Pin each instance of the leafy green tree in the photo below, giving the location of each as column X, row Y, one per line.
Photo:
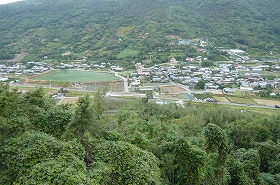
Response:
column 82, row 120
column 269, row 179
column 240, row 135
column 237, row 173
column 274, row 165
column 101, row 173
column 250, row 160
column 213, row 171
column 149, row 95
column 63, row 169
column 268, row 152
column 19, row 155
column 44, row 114
column 38, row 98
column 200, row 84
column 125, row 164
column 182, row 163
column 13, row 118
column 216, row 142
column 100, row 105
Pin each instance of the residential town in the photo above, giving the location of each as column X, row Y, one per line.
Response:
column 227, row 76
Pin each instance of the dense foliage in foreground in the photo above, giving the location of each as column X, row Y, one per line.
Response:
column 140, row 143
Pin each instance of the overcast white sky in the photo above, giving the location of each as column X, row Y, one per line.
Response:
column 8, row 1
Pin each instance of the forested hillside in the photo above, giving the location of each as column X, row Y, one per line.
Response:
column 134, row 143
column 125, row 30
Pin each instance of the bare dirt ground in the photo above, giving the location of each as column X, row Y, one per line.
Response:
column 267, row 102
column 215, row 91
column 172, row 89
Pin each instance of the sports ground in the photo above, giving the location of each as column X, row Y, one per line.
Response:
column 77, row 76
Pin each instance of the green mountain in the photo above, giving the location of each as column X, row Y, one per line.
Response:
column 125, row 30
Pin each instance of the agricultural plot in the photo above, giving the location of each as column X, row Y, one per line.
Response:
column 238, row 94
column 77, row 76
column 241, row 100
column 277, row 74
column 221, row 99
column 172, row 89
column 202, row 96
column 267, row 102
column 185, row 96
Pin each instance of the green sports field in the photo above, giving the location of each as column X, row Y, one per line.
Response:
column 77, row 76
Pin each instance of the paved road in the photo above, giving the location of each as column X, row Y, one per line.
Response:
column 124, row 81
column 126, row 94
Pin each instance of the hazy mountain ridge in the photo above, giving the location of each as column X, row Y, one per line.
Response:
column 42, row 27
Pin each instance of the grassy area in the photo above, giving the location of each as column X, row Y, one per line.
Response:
column 127, row 52
column 202, row 96
column 218, row 58
column 78, row 93
column 277, row 73
column 221, row 99
column 255, row 109
column 22, row 88
column 123, row 31
column 76, row 76
column 241, row 100
column 268, row 111
column 238, row 94
column 185, row 97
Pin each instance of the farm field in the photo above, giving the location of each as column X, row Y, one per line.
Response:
column 241, row 100
column 267, row 102
column 77, row 76
column 221, row 99
column 238, row 94
column 254, row 109
column 185, row 97
column 270, row 111
column 171, row 89
column 202, row 96
column 277, row 73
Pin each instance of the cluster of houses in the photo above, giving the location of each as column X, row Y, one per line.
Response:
column 223, row 75
column 195, row 42
column 79, row 65
column 20, row 68
column 40, row 67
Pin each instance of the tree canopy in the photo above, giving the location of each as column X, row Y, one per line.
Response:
column 137, row 143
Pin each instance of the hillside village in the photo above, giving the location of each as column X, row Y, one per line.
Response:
column 236, row 73
column 227, row 76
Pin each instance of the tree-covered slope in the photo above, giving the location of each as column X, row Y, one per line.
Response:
column 137, row 143
column 131, row 29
